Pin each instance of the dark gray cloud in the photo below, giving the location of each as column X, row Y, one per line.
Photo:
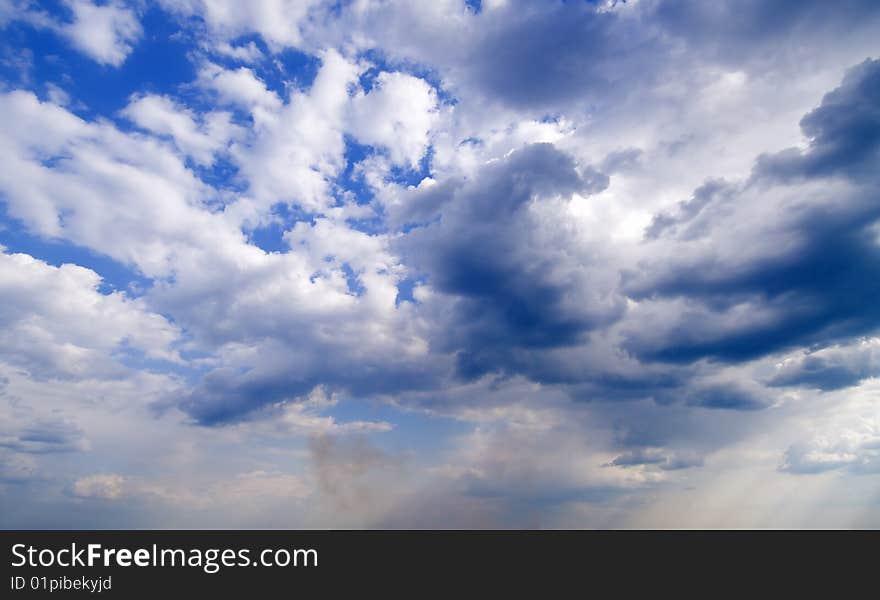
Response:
column 547, row 57
column 43, row 436
column 844, row 133
column 731, row 396
column 830, row 368
column 228, row 395
column 514, row 280
column 683, row 222
column 735, row 31
column 788, row 257
column 537, row 56
column 660, row 458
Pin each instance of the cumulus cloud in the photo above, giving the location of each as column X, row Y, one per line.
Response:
column 105, row 31
column 296, row 146
column 65, row 175
column 396, row 114
column 830, row 368
column 239, row 87
column 853, row 446
column 48, row 322
column 200, row 140
column 279, row 22
column 786, row 257
column 517, row 273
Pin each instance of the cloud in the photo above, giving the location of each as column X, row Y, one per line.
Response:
column 656, row 457
column 48, row 319
column 786, row 257
column 843, row 132
column 16, row 468
column 532, row 57
column 856, row 450
column 268, row 486
column 246, row 53
column 239, row 87
column 743, row 31
column 103, row 486
column 296, row 146
column 201, row 138
column 831, row 368
column 65, row 174
column 729, row 395
column 43, row 436
column 575, row 262
column 306, row 416
column 534, row 471
column 509, row 265
column 106, row 32
column 396, row 114
column 279, row 22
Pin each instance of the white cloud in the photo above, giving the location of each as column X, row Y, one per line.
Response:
column 48, row 319
column 298, row 147
column 843, row 435
column 398, row 114
column 105, row 32
column 65, row 176
column 246, row 53
column 239, row 87
column 102, row 486
column 199, row 137
column 303, row 416
column 278, row 21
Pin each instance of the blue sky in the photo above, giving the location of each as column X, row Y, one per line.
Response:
column 377, row 263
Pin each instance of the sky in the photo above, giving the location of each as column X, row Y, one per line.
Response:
column 446, row 264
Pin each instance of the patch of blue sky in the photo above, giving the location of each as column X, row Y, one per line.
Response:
column 429, row 433
column 476, row 6
column 350, row 183
column 367, row 79
column 281, row 70
column 159, row 63
column 222, row 174
column 290, row 69
column 270, row 237
column 355, row 287
column 406, row 287
column 138, row 361
column 373, row 225
column 406, row 175
column 350, row 186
